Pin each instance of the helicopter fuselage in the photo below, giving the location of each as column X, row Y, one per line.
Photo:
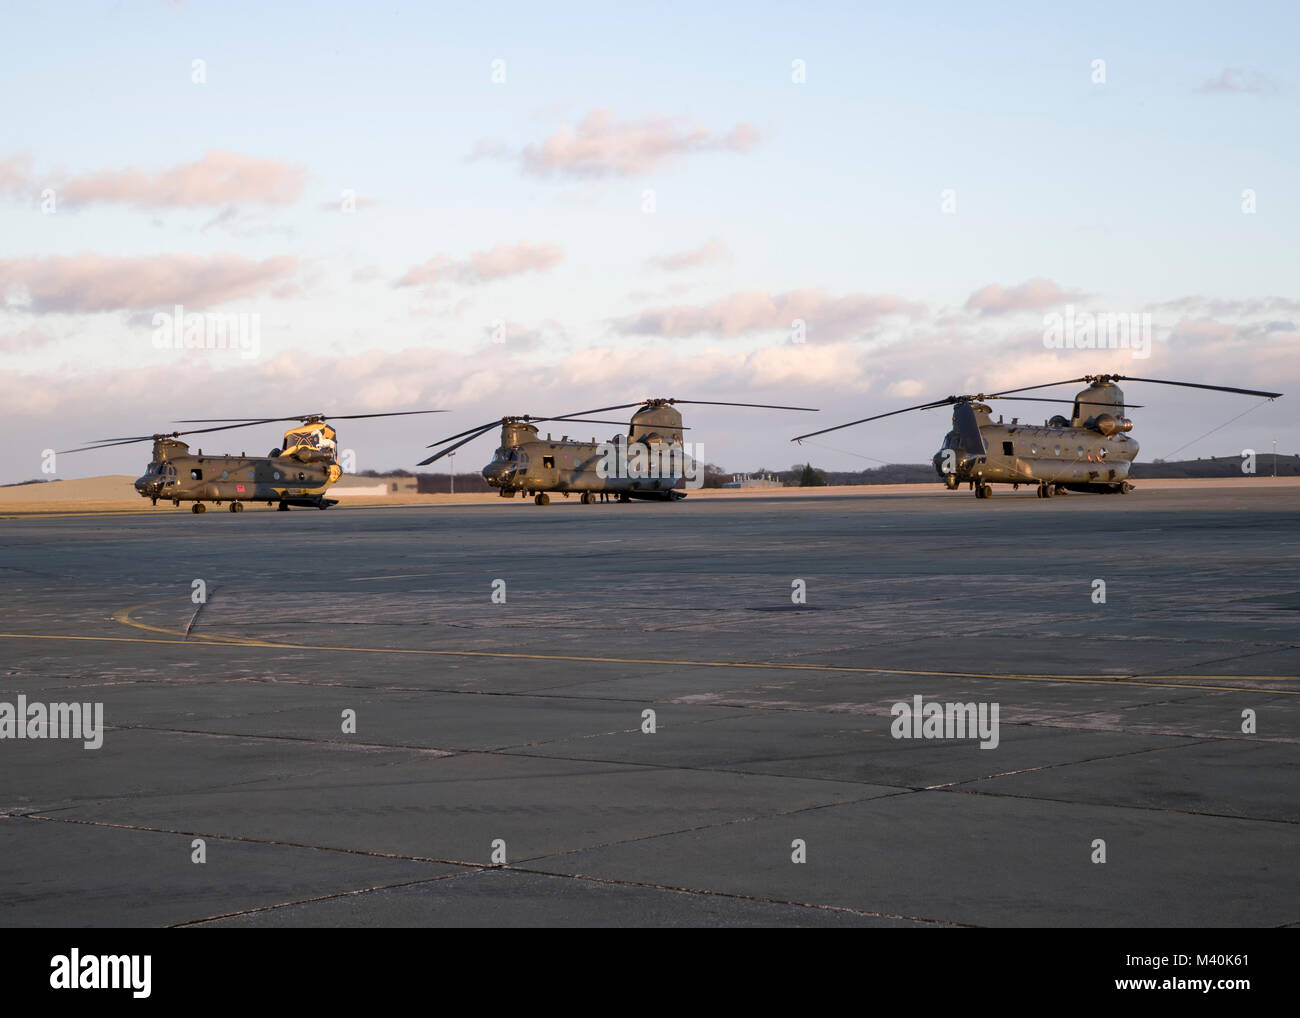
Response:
column 177, row 475
column 1074, row 458
column 1092, row 451
column 649, row 463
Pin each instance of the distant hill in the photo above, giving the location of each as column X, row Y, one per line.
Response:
column 1218, row 466
column 1214, row 466
column 902, row 473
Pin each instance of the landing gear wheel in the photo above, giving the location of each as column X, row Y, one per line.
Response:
column 1045, row 491
column 236, row 507
column 984, row 491
column 586, row 498
column 541, row 498
column 283, row 507
column 198, row 507
column 1125, row 488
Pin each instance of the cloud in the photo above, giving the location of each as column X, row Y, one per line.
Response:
column 511, row 337
column 500, row 262
column 825, row 317
column 1240, row 79
column 488, row 148
column 93, row 282
column 15, row 175
column 1220, row 308
column 348, row 203
column 711, row 251
column 27, row 339
column 602, row 146
column 216, row 179
column 479, row 380
column 1030, row 295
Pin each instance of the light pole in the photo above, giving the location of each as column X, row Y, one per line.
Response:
column 451, row 457
column 1275, row 457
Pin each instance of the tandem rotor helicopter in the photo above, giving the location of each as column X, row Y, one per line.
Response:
column 1090, row 451
column 298, row 473
column 650, row 462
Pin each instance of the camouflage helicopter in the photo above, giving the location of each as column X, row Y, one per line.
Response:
column 650, row 462
column 1090, row 451
column 298, row 473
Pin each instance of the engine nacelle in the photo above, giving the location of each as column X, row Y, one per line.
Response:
column 1107, row 425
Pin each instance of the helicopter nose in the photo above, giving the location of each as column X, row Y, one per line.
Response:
column 495, row 475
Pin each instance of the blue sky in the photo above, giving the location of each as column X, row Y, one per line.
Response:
column 1126, row 196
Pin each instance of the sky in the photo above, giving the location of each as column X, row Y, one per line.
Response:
column 542, row 209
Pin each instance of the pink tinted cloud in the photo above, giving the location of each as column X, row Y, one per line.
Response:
column 216, row 179
column 500, row 262
column 15, row 175
column 1240, row 79
column 603, row 146
column 1031, row 295
column 27, row 339
column 1217, row 307
column 93, row 282
column 749, row 311
column 712, row 250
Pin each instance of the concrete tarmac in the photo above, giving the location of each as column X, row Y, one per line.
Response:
column 1159, row 728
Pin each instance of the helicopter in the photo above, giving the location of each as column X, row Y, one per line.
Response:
column 1091, row 451
column 649, row 463
column 298, row 473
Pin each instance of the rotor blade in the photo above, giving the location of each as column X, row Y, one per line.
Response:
column 357, row 417
column 924, row 406
column 1046, row 399
column 588, row 420
column 226, row 427
column 596, row 410
column 1045, row 385
column 761, row 406
column 1198, row 385
column 107, row 442
column 480, row 428
column 452, row 448
column 304, row 417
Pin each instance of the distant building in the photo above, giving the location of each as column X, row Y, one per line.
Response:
column 747, row 481
column 372, row 487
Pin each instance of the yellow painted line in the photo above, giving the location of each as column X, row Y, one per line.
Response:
column 58, row 515
column 772, row 666
column 123, row 615
column 390, row 576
